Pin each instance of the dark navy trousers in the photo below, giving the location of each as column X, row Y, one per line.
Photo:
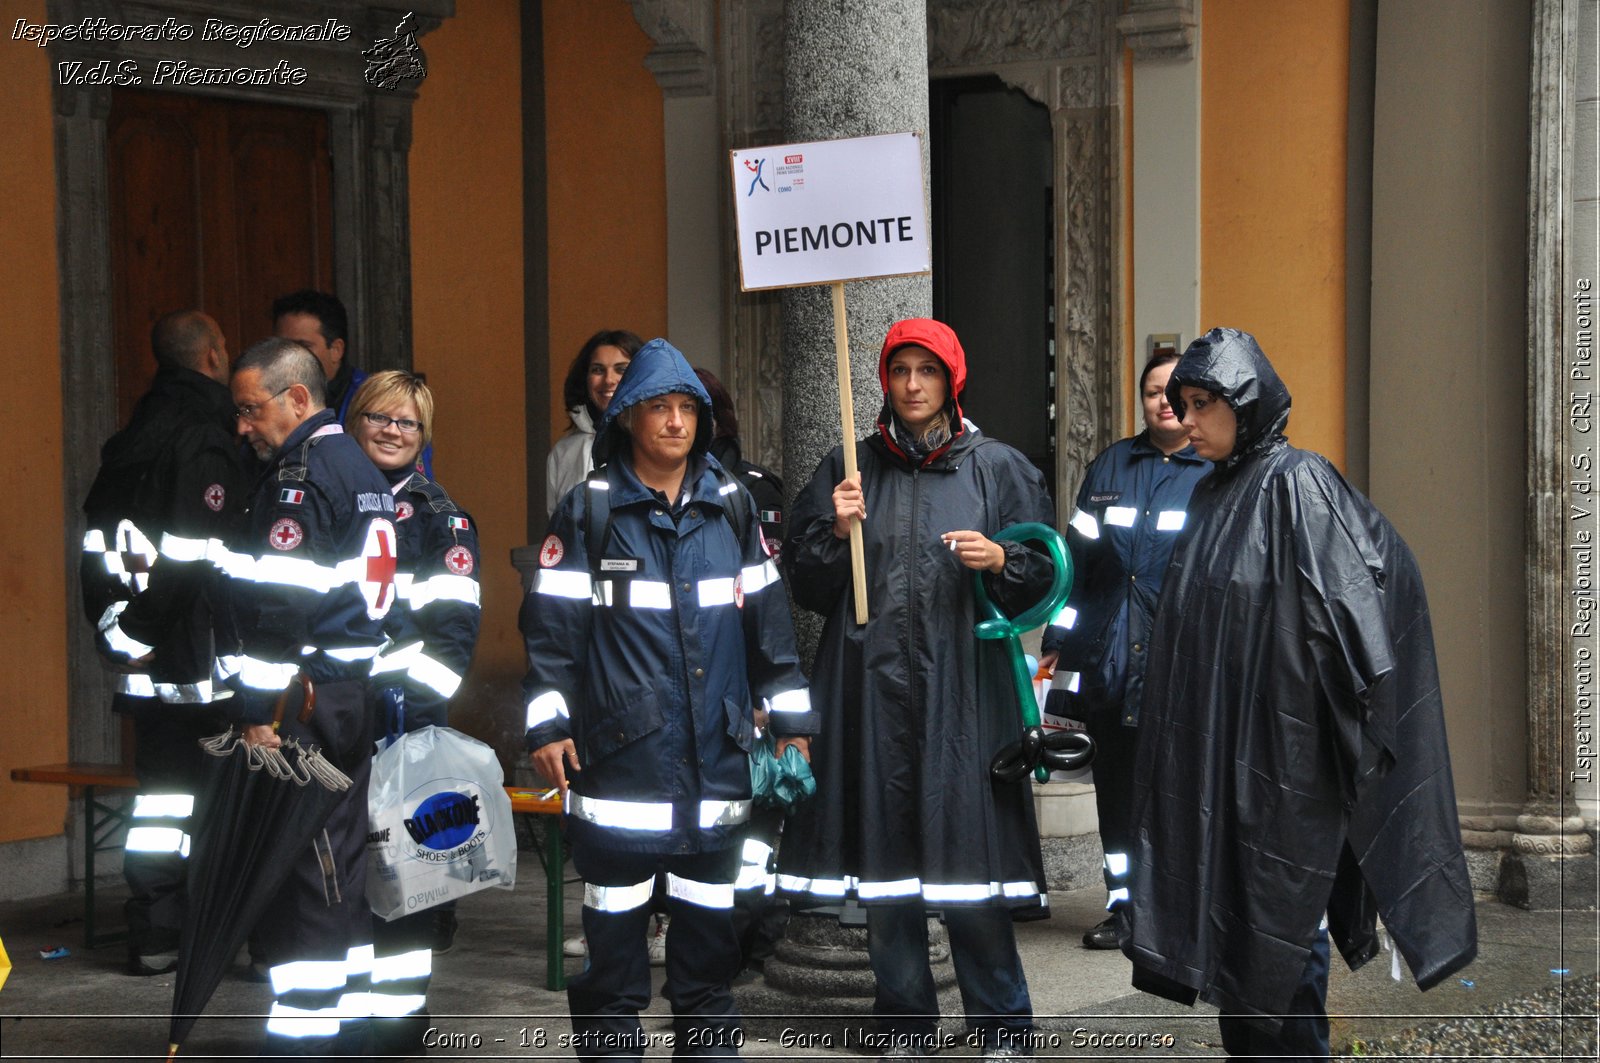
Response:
column 702, row 952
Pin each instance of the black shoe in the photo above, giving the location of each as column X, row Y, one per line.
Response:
column 444, row 931
column 152, row 963
column 1103, row 936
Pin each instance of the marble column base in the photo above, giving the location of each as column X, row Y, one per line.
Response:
column 819, row 981
column 1550, row 865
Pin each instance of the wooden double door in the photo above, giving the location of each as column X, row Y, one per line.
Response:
column 214, row 204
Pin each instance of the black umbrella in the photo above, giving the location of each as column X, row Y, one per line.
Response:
column 261, row 808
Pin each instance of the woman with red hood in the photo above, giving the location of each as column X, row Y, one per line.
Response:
column 906, row 818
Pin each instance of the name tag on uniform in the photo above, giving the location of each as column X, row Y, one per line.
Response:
column 1105, row 498
column 619, row 564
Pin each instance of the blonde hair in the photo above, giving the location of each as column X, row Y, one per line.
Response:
column 390, row 388
column 936, row 431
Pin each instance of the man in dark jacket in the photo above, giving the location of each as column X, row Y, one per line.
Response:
column 169, row 482
column 319, row 323
column 653, row 626
column 1292, row 758
column 307, row 584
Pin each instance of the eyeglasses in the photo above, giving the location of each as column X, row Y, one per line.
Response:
column 405, row 424
column 248, row 411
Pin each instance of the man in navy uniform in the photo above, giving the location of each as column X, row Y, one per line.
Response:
column 307, row 585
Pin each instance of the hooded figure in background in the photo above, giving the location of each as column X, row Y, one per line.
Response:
column 655, row 623
column 1292, row 759
column 906, row 817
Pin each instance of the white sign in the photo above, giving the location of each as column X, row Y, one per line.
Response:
column 830, row 210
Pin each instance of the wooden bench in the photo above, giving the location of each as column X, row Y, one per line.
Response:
column 545, row 803
column 101, row 821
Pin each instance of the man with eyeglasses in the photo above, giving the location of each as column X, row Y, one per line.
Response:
column 307, row 584
column 173, row 479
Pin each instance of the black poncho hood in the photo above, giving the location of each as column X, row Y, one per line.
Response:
column 1231, row 364
column 1292, row 749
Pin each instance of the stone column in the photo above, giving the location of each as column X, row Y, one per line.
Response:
column 850, row 70
column 1549, row 864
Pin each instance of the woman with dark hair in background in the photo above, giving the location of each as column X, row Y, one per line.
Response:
column 1130, row 509
column 591, row 379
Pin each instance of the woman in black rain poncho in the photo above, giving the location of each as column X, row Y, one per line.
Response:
column 906, row 817
column 1292, row 757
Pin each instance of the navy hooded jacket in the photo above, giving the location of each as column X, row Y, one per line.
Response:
column 652, row 662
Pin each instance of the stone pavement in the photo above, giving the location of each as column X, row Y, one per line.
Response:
column 489, row 1000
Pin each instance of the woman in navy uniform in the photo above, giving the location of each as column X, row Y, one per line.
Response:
column 1130, row 509
column 432, row 629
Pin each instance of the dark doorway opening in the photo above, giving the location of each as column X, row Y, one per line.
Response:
column 993, row 255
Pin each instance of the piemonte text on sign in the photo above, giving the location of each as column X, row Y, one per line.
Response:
column 830, row 210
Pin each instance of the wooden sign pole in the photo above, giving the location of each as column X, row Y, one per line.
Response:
column 847, row 417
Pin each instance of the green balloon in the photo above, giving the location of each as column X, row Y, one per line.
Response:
column 996, row 625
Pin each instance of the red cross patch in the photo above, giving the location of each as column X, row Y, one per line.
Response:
column 286, row 534
column 379, row 553
column 215, row 497
column 551, row 552
column 738, row 591
column 403, row 510
column 458, row 559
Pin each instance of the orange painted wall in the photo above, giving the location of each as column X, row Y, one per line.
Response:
column 1274, row 90
column 607, row 181
column 467, row 306
column 33, row 620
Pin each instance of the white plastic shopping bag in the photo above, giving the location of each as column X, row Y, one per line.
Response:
column 440, row 823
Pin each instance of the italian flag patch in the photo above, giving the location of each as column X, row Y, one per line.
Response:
column 458, row 523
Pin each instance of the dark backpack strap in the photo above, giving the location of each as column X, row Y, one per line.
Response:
column 596, row 518
column 739, row 505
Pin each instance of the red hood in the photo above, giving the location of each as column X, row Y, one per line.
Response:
column 937, row 337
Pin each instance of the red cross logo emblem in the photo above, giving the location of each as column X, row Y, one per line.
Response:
column 551, row 553
column 403, row 510
column 215, row 496
column 458, row 559
column 286, row 534
column 738, row 591
column 380, row 557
